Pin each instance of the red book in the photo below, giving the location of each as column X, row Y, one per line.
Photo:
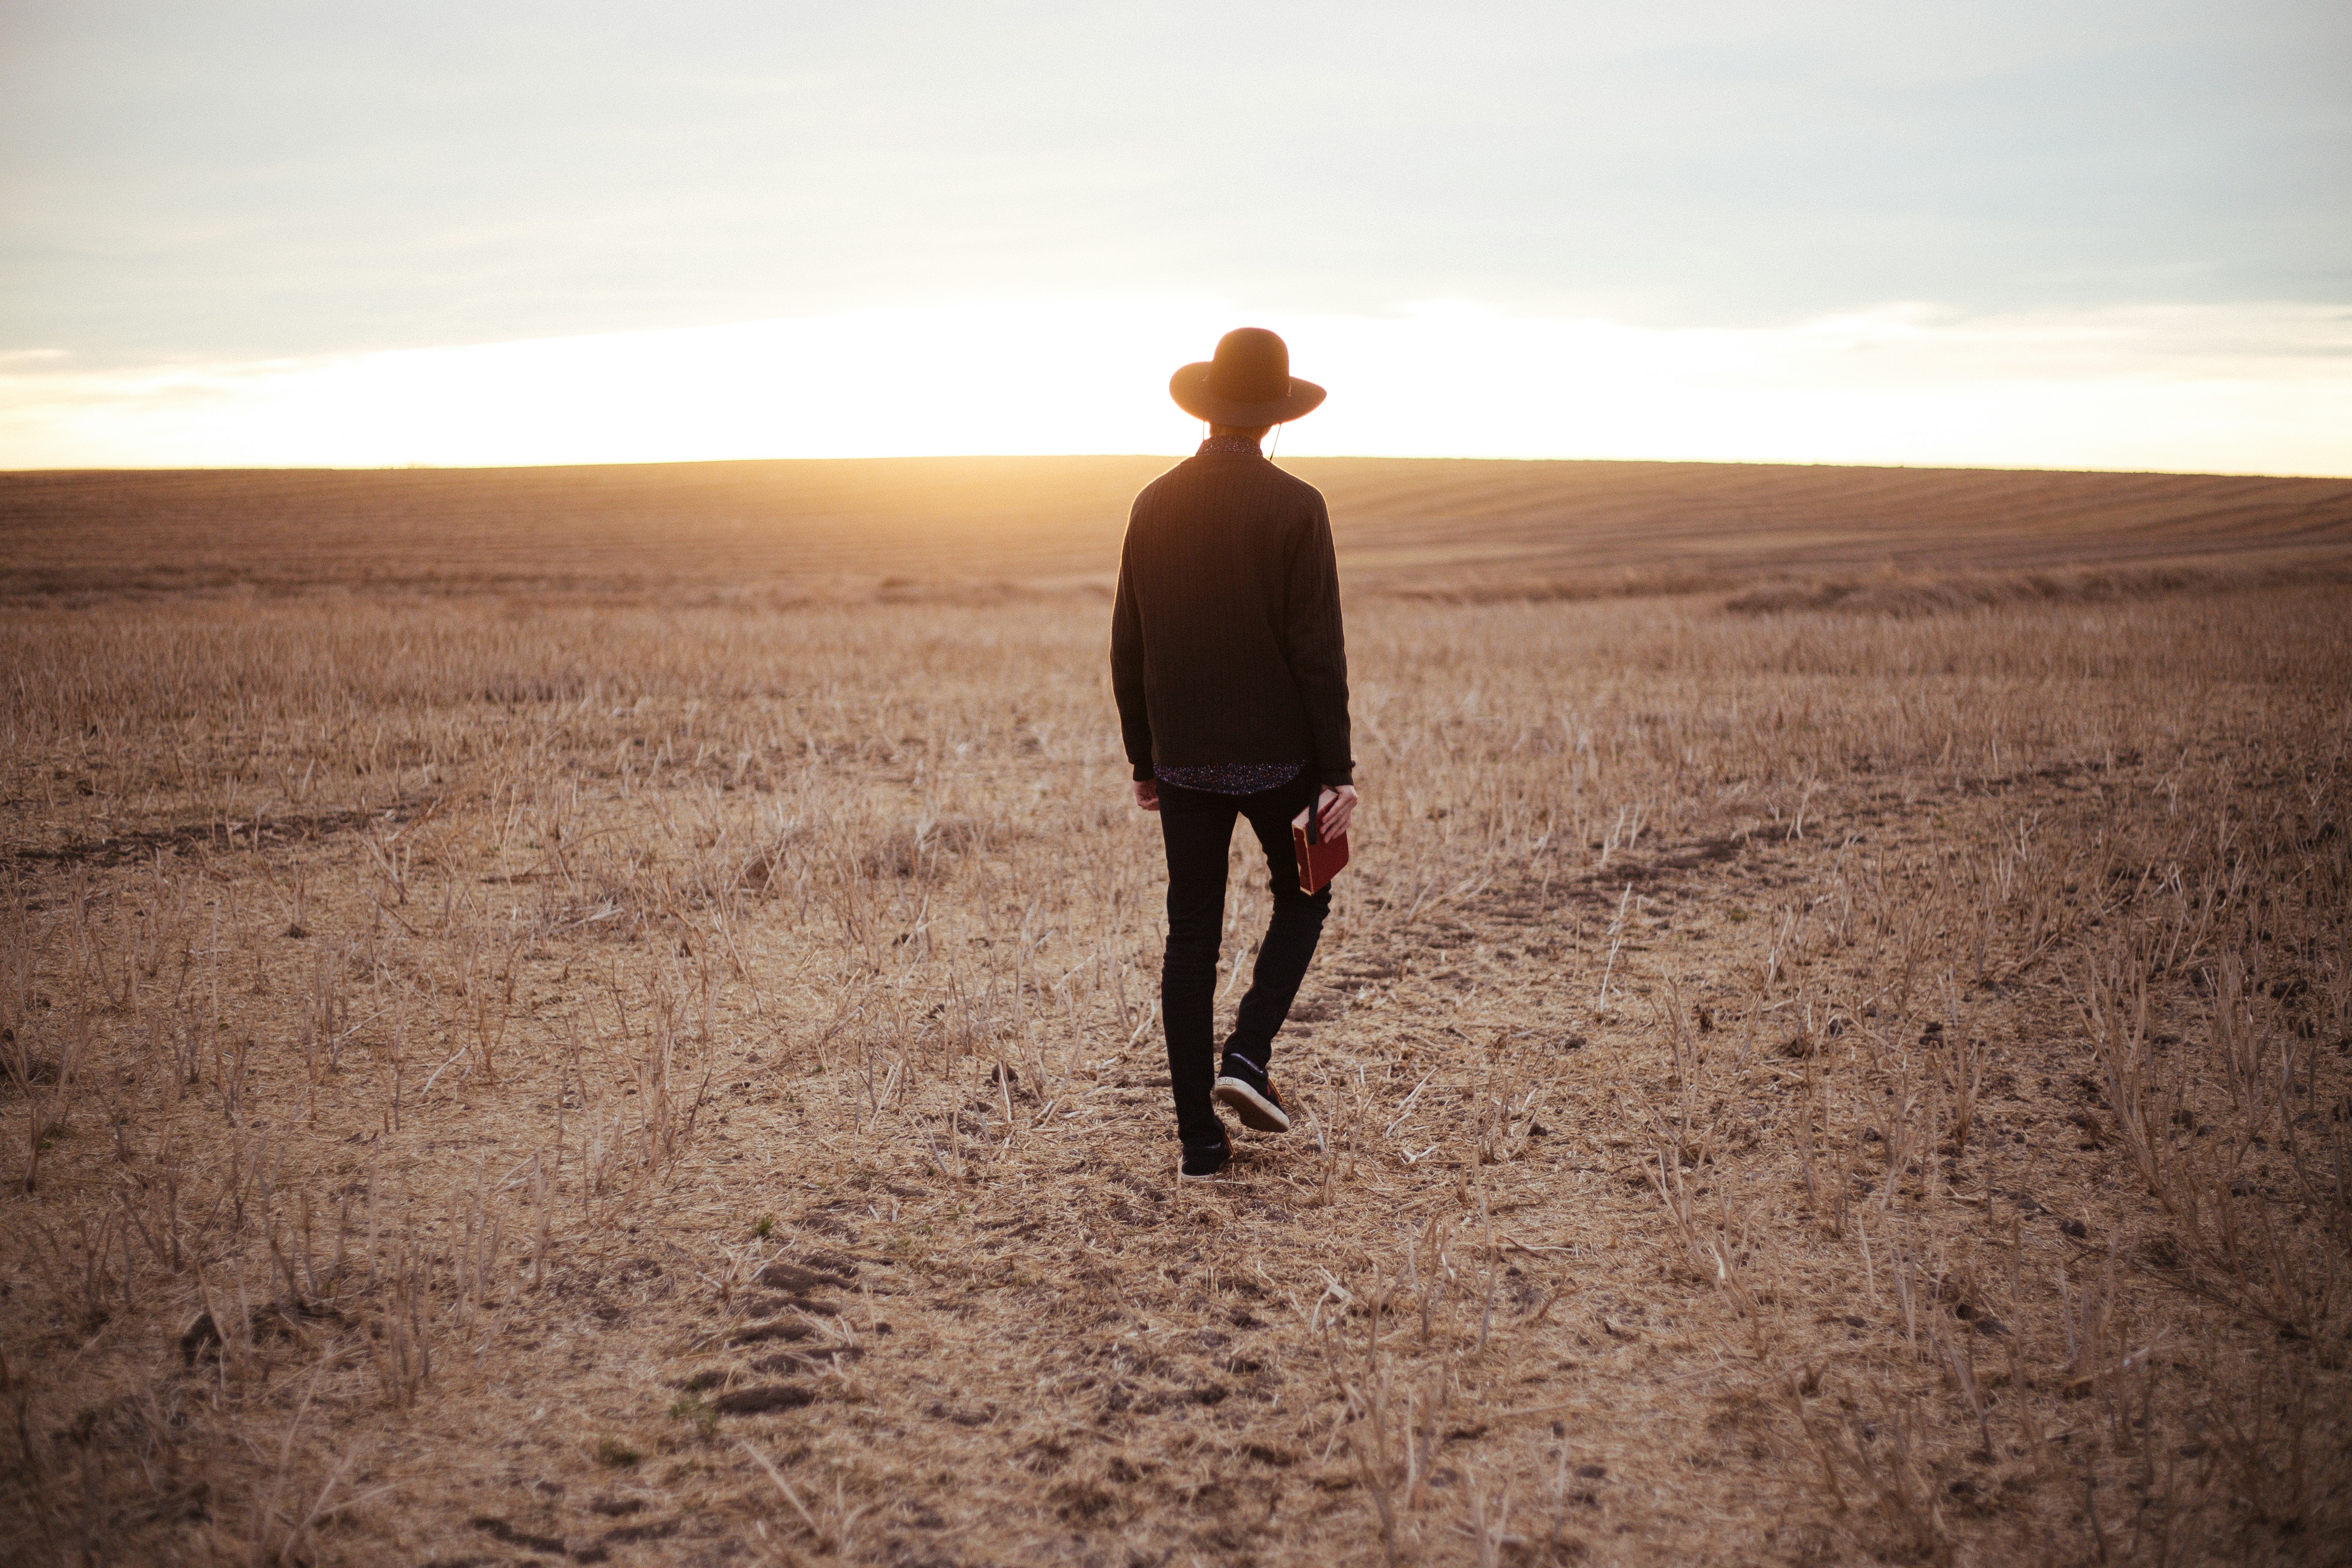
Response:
column 1319, row 859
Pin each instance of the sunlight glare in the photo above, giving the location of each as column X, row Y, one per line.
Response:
column 2246, row 389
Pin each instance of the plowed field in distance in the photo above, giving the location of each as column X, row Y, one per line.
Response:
column 950, row 523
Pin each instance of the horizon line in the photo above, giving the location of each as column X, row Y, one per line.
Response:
column 7, row 473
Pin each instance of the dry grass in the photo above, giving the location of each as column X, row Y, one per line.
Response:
column 496, row 1079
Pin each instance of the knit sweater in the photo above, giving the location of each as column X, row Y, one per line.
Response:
column 1225, row 642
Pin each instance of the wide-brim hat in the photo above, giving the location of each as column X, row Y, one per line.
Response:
column 1249, row 383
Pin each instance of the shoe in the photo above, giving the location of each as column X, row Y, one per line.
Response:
column 1205, row 1160
column 1243, row 1086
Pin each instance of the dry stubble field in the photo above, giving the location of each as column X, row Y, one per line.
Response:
column 650, row 1068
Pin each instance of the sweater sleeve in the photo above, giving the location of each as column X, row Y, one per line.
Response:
column 1317, row 645
column 1127, row 665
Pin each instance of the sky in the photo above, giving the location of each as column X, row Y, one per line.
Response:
column 2078, row 233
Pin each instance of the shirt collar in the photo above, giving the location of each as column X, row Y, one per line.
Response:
column 1229, row 446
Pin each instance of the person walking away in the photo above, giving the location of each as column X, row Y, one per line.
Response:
column 1230, row 668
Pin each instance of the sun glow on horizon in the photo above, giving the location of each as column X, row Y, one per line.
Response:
column 2259, row 388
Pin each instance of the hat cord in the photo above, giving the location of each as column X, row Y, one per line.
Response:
column 1206, row 428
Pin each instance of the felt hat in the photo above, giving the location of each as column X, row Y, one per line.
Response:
column 1249, row 383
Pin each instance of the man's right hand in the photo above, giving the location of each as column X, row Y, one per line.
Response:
column 1338, row 808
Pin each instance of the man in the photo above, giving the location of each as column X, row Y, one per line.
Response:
column 1231, row 672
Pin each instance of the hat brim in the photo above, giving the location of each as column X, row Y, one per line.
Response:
column 1189, row 388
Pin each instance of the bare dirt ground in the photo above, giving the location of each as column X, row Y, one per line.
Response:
column 1834, row 1063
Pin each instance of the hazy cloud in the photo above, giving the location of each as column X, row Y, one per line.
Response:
column 250, row 180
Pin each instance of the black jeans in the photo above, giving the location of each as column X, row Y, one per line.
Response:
column 1198, row 829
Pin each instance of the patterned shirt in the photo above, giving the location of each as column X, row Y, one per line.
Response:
column 1231, row 446
column 1231, row 778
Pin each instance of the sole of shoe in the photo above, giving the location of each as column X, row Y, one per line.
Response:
column 1257, row 1113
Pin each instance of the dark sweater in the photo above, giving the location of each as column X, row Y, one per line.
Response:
column 1225, row 644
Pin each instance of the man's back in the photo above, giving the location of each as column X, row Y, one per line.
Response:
column 1226, row 644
